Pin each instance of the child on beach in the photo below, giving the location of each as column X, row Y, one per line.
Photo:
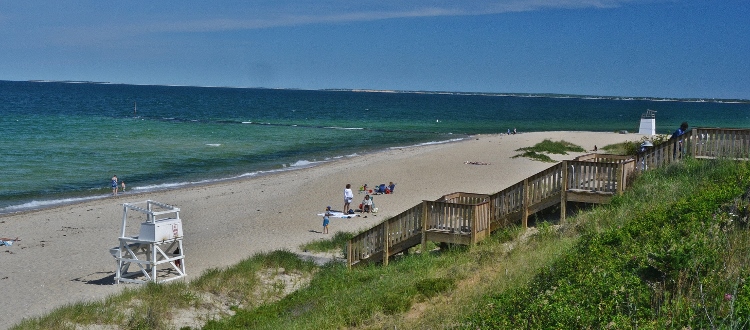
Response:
column 326, row 220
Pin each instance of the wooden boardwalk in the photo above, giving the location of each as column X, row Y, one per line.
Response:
column 467, row 218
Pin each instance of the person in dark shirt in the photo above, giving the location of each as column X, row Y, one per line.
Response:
column 676, row 135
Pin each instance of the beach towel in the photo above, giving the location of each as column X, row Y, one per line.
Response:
column 341, row 215
column 6, row 243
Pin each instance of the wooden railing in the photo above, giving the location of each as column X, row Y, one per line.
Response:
column 604, row 158
column 508, row 206
column 387, row 237
column 594, row 177
column 720, row 142
column 467, row 218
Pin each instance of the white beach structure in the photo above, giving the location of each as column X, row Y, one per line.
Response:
column 648, row 123
column 157, row 249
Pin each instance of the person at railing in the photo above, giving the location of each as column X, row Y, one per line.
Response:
column 677, row 135
column 645, row 146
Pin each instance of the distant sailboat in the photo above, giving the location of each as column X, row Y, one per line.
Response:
column 135, row 109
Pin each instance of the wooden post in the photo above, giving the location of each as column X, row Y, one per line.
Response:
column 349, row 254
column 490, row 212
column 386, row 243
column 424, row 226
column 564, row 191
column 621, row 178
column 693, row 142
column 525, row 216
column 473, row 225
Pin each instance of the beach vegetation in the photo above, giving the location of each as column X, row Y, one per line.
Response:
column 337, row 243
column 671, row 252
column 561, row 147
column 632, row 147
column 535, row 156
column 540, row 150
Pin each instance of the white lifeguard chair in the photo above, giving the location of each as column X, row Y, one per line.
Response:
column 648, row 123
column 157, row 249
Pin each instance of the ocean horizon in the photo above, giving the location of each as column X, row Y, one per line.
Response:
column 63, row 141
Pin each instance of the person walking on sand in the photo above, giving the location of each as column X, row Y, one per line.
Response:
column 326, row 219
column 348, row 197
column 114, row 185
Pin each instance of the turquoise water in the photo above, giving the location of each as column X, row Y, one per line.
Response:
column 62, row 142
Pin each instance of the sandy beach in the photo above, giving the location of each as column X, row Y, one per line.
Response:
column 63, row 256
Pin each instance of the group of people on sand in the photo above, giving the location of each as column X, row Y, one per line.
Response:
column 115, row 186
column 379, row 189
column 367, row 205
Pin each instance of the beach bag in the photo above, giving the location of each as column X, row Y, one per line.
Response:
column 351, row 211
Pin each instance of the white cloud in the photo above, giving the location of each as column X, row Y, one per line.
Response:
column 100, row 24
column 333, row 11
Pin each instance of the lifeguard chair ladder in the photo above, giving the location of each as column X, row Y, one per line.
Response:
column 157, row 250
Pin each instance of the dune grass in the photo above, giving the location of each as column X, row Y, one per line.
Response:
column 337, row 243
column 561, row 147
column 669, row 253
column 540, row 150
column 631, row 147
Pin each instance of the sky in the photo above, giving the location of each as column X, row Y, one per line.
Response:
column 639, row 48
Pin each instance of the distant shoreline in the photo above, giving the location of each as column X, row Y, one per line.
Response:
column 501, row 94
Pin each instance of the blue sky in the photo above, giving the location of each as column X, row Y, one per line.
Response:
column 657, row 48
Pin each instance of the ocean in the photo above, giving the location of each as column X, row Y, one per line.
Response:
column 63, row 141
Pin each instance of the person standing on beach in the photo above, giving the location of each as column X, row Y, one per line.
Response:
column 114, row 185
column 348, row 197
column 326, row 219
column 122, row 184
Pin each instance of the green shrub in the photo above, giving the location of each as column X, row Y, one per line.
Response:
column 431, row 287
